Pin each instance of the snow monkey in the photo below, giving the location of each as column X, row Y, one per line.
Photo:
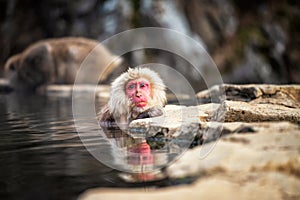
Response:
column 135, row 94
column 56, row 61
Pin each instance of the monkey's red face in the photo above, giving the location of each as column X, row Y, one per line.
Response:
column 139, row 92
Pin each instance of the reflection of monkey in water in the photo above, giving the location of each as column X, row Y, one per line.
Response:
column 135, row 94
column 56, row 61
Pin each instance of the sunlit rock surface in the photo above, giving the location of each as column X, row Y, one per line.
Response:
column 4, row 86
column 254, row 156
column 263, row 164
column 254, row 103
column 287, row 95
column 241, row 111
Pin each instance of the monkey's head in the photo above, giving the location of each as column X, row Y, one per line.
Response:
column 135, row 91
column 28, row 70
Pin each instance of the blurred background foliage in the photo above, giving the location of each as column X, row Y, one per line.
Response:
column 251, row 41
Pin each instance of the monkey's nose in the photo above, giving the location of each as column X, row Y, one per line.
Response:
column 138, row 94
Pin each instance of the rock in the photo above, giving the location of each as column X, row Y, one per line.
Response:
column 175, row 121
column 206, row 19
column 205, row 121
column 228, row 29
column 4, row 86
column 273, row 144
column 263, row 165
column 252, row 112
column 253, row 103
column 251, row 153
column 262, row 186
column 287, row 95
column 194, row 126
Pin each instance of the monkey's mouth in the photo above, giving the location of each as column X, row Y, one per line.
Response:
column 141, row 104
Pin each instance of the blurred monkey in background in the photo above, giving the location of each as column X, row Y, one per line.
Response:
column 57, row 61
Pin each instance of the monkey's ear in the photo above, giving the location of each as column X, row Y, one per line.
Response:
column 37, row 53
column 12, row 64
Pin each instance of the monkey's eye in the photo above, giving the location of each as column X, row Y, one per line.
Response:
column 131, row 86
column 143, row 85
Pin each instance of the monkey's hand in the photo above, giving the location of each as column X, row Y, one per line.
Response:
column 111, row 125
column 151, row 112
column 107, row 122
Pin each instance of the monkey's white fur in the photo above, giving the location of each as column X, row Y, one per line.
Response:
column 119, row 104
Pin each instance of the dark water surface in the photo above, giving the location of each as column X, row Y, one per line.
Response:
column 43, row 157
column 41, row 154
